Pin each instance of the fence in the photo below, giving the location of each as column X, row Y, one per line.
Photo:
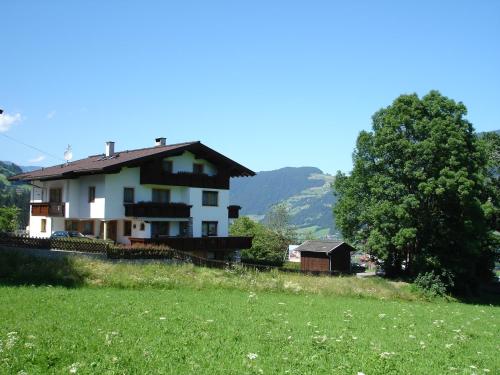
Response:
column 70, row 244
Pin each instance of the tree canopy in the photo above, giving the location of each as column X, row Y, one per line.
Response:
column 420, row 194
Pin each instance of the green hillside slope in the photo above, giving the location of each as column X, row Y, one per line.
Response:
column 14, row 194
column 306, row 190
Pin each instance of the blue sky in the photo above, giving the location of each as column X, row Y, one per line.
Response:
column 269, row 84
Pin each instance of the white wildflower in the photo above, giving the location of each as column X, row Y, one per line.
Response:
column 162, row 318
column 252, row 295
column 381, row 316
column 320, row 339
column 412, row 337
column 360, row 373
column 386, row 354
column 448, row 346
column 74, row 368
column 210, row 320
column 252, row 356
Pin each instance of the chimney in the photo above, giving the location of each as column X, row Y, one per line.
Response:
column 110, row 149
column 160, row 141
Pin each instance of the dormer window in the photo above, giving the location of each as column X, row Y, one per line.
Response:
column 198, row 168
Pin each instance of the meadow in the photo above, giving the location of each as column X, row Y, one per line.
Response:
column 93, row 317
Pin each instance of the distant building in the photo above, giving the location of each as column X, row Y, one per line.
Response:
column 325, row 256
column 293, row 254
column 175, row 194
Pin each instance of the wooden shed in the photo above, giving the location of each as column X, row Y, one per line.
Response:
column 325, row 256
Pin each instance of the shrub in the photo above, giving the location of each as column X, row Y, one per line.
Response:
column 433, row 284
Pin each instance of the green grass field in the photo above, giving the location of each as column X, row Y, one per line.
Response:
column 158, row 319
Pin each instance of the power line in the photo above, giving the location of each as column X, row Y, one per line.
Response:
column 33, row 147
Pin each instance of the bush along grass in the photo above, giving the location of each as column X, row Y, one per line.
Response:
column 17, row 269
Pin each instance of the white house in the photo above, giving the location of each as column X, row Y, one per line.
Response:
column 176, row 194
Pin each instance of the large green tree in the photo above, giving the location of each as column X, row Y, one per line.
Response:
column 9, row 219
column 419, row 197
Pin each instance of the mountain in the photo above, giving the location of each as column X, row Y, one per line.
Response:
column 306, row 191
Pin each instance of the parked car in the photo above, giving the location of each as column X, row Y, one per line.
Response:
column 357, row 268
column 66, row 234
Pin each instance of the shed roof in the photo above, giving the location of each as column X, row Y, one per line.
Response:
column 325, row 246
column 101, row 164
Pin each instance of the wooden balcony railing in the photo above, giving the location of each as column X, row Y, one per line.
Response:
column 198, row 243
column 48, row 209
column 157, row 177
column 153, row 209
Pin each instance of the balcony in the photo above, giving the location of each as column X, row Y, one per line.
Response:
column 153, row 209
column 233, row 211
column 49, row 209
column 155, row 176
column 198, row 243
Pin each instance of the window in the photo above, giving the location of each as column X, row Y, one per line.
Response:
column 209, row 228
column 43, row 225
column 127, row 228
column 142, row 227
column 167, row 166
column 161, row 196
column 88, row 227
column 128, row 195
column 55, row 195
column 183, row 228
column 71, row 225
column 159, row 228
column 197, row 168
column 91, row 194
column 210, row 198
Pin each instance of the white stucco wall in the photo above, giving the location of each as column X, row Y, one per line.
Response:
column 53, row 224
column 86, row 210
column 201, row 213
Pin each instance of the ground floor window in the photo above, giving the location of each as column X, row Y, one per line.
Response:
column 71, row 225
column 88, row 227
column 127, row 228
column 159, row 228
column 209, row 228
column 183, row 229
column 43, row 225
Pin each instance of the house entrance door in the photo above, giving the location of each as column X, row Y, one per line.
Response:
column 112, row 230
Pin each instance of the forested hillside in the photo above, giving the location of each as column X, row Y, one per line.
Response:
column 306, row 190
column 14, row 194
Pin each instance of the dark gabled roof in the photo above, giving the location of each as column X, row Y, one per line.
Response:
column 326, row 246
column 98, row 164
